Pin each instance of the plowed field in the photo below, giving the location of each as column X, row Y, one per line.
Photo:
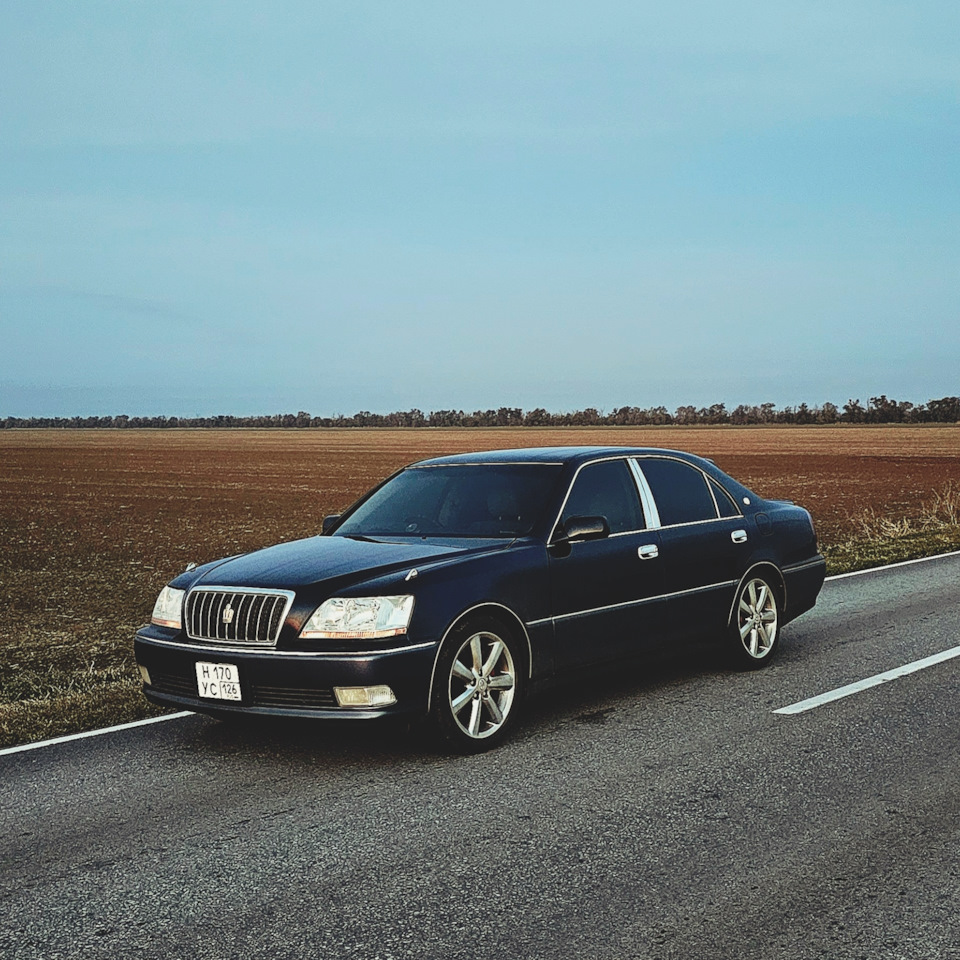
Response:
column 93, row 523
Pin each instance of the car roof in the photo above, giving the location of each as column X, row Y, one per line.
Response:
column 559, row 455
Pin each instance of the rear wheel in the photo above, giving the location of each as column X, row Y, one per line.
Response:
column 478, row 685
column 755, row 627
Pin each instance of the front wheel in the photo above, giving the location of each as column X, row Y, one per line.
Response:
column 478, row 685
column 755, row 626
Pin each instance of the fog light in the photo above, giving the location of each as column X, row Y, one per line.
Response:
column 145, row 673
column 381, row 696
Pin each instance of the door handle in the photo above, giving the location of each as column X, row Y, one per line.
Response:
column 739, row 536
column 648, row 551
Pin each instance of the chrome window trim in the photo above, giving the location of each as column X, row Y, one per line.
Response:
column 633, row 603
column 712, row 483
column 647, row 502
column 563, row 506
column 288, row 596
column 613, row 536
column 696, row 523
column 488, row 463
column 261, row 651
column 713, row 496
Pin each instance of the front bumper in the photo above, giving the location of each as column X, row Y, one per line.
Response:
column 287, row 683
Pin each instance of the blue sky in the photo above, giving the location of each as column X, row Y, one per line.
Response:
column 256, row 208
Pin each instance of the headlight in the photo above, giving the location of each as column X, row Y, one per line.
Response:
column 166, row 611
column 359, row 618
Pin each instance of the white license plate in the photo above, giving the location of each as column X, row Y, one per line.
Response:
column 218, row 681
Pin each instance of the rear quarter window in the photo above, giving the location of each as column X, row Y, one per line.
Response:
column 725, row 503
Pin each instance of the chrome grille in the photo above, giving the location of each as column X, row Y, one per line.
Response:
column 237, row 615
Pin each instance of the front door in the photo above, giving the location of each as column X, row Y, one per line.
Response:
column 605, row 592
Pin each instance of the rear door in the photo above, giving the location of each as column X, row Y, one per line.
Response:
column 703, row 544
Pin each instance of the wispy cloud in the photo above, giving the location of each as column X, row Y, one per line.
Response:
column 139, row 307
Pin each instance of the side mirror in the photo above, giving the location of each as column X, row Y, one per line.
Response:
column 586, row 528
column 329, row 522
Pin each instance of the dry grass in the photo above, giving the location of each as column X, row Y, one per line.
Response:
column 93, row 523
column 944, row 507
column 875, row 538
column 939, row 513
column 83, row 708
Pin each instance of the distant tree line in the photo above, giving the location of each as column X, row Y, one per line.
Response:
column 878, row 410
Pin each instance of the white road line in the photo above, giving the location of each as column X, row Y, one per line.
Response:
column 885, row 677
column 890, row 566
column 93, row 733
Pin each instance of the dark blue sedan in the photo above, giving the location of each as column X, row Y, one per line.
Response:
column 460, row 583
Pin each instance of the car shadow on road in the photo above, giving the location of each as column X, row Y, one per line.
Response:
column 587, row 697
column 593, row 697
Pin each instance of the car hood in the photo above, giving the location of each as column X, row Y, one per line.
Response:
column 304, row 562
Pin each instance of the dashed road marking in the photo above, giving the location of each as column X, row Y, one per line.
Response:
column 885, row 677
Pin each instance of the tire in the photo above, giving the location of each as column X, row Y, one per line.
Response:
column 754, row 629
column 478, row 685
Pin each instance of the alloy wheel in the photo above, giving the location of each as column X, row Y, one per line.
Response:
column 757, row 618
column 483, row 683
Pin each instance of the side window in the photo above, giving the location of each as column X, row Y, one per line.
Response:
column 606, row 489
column 725, row 503
column 680, row 491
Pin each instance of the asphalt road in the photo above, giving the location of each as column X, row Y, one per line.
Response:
column 661, row 811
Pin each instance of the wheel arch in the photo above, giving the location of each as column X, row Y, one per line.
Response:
column 499, row 610
column 778, row 584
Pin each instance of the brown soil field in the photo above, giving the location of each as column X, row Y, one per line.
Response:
column 93, row 523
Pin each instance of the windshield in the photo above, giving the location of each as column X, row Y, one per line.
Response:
column 469, row 500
